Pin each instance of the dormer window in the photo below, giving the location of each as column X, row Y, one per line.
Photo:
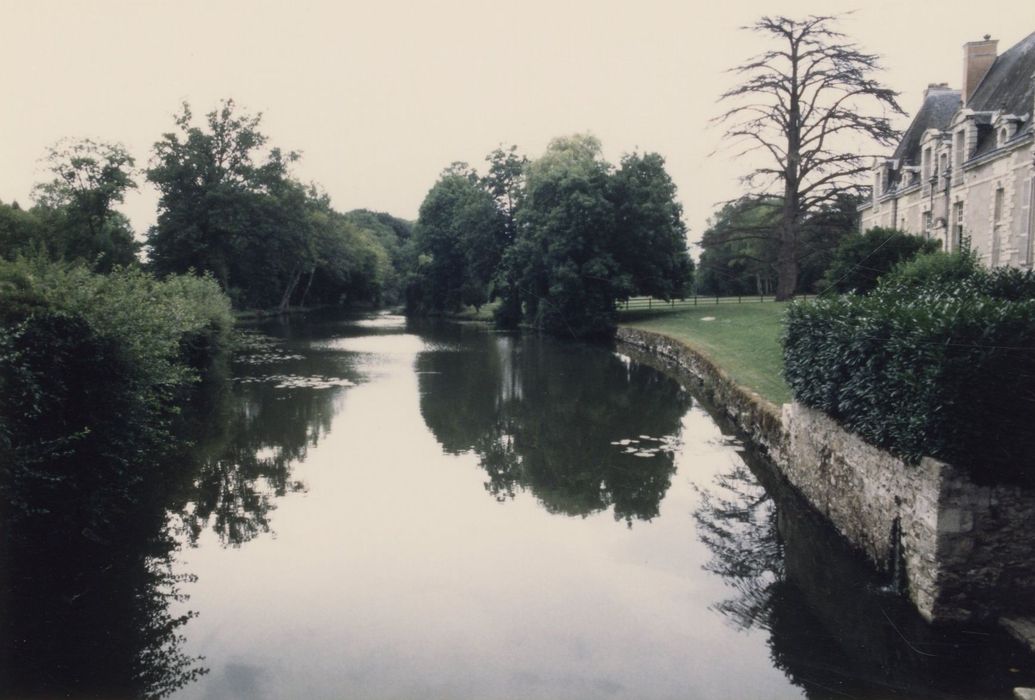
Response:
column 1006, row 127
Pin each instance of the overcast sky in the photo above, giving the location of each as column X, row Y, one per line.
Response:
column 380, row 96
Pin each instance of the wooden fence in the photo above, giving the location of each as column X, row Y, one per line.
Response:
column 650, row 303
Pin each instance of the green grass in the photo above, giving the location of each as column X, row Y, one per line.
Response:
column 468, row 313
column 743, row 339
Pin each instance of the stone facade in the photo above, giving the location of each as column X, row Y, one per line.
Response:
column 965, row 167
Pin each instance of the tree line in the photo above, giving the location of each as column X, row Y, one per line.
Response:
column 228, row 206
column 557, row 241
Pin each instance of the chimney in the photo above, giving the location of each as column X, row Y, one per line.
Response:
column 936, row 87
column 978, row 57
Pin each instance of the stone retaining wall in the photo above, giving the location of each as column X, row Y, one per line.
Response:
column 963, row 551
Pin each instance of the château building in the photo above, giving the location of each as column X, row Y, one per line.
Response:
column 965, row 167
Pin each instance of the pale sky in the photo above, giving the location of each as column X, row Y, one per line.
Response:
column 380, row 96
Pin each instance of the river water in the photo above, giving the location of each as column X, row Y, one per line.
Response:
column 384, row 509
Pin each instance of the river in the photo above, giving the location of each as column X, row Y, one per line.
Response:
column 378, row 508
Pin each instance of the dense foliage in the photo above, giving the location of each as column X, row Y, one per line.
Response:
column 73, row 217
column 557, row 240
column 90, row 367
column 740, row 251
column 230, row 207
column 859, row 261
column 939, row 360
column 459, row 239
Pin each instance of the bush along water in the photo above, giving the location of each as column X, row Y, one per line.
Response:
column 91, row 369
column 939, row 360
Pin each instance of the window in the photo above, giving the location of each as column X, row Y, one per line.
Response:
column 957, row 151
column 928, row 220
column 997, row 219
column 957, row 227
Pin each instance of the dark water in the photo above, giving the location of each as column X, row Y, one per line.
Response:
column 376, row 509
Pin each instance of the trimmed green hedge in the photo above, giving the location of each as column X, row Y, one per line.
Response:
column 925, row 367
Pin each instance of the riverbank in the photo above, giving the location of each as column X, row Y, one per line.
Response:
column 962, row 549
column 259, row 314
column 744, row 339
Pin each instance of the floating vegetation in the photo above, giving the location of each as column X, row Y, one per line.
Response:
column 647, row 446
column 290, row 381
column 251, row 348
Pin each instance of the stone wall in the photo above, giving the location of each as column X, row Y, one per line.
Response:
column 756, row 416
column 963, row 551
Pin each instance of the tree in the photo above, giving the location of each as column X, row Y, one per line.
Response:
column 76, row 207
column 564, row 272
column 588, row 234
column 860, row 260
column 738, row 254
column 650, row 236
column 740, row 248
column 458, row 235
column 804, row 105
column 505, row 182
column 229, row 208
column 394, row 235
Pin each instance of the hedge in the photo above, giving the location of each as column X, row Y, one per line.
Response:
column 92, row 369
column 924, row 368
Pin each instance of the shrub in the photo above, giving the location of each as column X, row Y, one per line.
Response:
column 91, row 367
column 922, row 367
column 958, row 274
column 859, row 261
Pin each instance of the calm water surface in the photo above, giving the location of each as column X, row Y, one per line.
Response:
column 382, row 509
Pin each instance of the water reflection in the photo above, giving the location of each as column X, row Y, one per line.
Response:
column 90, row 534
column 86, row 560
column 582, row 429
column 252, row 436
column 834, row 627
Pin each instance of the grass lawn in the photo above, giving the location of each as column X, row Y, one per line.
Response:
column 468, row 313
column 743, row 339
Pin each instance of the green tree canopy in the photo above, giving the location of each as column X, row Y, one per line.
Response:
column 860, row 260
column 230, row 206
column 458, row 236
column 75, row 209
column 587, row 235
column 740, row 248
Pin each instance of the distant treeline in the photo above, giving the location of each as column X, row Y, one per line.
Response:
column 228, row 206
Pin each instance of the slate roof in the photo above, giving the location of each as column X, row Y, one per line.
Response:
column 1006, row 87
column 935, row 113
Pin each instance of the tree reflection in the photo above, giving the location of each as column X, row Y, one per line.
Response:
column 247, row 436
column 545, row 417
column 834, row 627
column 737, row 521
column 243, row 464
column 87, row 581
